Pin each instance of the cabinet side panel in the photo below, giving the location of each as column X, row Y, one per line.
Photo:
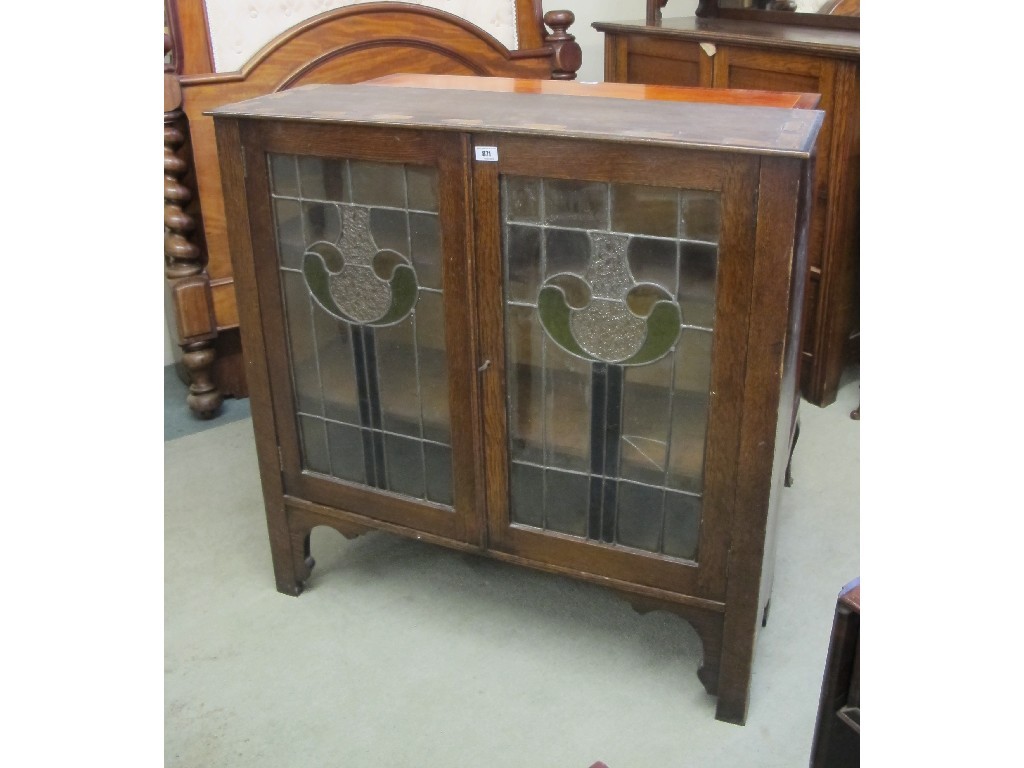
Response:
column 780, row 186
column 234, row 183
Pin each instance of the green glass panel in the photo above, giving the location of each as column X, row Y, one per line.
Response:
column 403, row 294
column 555, row 314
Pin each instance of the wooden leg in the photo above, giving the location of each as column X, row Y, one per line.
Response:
column 293, row 561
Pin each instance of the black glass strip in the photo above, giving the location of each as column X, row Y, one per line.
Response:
column 373, row 390
column 365, row 359
column 598, row 411
column 609, row 508
column 594, row 511
column 613, row 419
column 359, row 359
column 612, row 433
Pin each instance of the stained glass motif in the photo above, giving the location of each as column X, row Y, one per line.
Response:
column 360, row 261
column 609, row 317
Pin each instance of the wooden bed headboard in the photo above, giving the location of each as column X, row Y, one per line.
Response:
column 349, row 44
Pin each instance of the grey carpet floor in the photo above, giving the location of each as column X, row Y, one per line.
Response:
column 404, row 654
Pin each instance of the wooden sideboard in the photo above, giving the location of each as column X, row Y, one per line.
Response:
column 776, row 51
column 543, row 323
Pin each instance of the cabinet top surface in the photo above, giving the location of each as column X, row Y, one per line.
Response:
column 695, row 125
column 839, row 42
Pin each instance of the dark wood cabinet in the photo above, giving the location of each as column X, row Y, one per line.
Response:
column 837, row 730
column 544, row 324
column 787, row 53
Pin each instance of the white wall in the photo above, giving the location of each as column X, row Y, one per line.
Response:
column 590, row 40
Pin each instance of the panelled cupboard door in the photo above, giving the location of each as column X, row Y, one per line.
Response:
column 738, row 67
column 360, row 240
column 612, row 397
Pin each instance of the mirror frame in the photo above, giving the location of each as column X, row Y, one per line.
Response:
column 709, row 9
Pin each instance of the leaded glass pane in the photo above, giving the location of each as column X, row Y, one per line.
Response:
column 322, row 179
column 360, row 258
column 609, row 317
column 644, row 210
column 700, row 216
column 522, row 199
column 425, row 241
column 290, row 238
column 284, row 175
column 566, row 498
column 580, row 204
column 422, row 188
column 526, row 386
column 321, row 221
column 378, row 184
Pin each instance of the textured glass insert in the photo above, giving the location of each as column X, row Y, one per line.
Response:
column 361, row 265
column 609, row 317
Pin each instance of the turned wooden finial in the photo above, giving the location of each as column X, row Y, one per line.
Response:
column 565, row 51
column 654, row 11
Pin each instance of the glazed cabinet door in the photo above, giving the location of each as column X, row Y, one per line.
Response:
column 613, row 285
column 359, row 240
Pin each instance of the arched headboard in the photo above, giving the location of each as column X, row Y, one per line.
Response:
column 348, row 44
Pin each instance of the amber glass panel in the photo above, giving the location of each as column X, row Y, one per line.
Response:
column 361, row 240
column 609, row 316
